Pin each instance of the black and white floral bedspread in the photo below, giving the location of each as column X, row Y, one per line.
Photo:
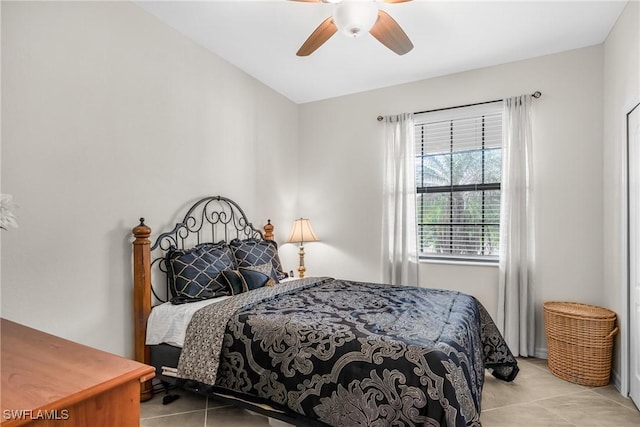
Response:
column 351, row 354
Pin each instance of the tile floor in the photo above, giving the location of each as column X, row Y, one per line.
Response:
column 535, row 399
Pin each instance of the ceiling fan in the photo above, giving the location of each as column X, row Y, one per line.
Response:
column 355, row 17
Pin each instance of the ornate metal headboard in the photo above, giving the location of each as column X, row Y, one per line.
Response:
column 211, row 219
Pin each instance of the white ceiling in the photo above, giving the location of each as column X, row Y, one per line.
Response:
column 262, row 38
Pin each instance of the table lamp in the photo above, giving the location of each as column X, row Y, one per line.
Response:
column 301, row 233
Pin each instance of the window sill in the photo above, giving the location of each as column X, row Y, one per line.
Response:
column 460, row 262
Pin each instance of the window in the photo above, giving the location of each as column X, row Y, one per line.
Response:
column 458, row 172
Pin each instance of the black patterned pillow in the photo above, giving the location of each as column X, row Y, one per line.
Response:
column 195, row 273
column 235, row 282
column 266, row 269
column 245, row 279
column 255, row 279
column 251, row 252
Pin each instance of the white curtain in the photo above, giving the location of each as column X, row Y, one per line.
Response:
column 515, row 316
column 399, row 232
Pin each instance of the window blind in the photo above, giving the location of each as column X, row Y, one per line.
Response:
column 458, row 172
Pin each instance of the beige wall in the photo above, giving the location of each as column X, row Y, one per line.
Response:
column 621, row 93
column 109, row 115
column 341, row 182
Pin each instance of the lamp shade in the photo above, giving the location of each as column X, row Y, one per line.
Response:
column 302, row 232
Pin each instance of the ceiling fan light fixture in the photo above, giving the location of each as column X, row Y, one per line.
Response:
column 354, row 18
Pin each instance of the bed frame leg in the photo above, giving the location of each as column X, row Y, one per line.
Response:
column 168, row 398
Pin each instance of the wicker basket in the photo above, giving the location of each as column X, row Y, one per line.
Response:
column 579, row 342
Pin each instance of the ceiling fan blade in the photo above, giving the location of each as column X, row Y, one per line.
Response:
column 384, row 1
column 318, row 37
column 389, row 33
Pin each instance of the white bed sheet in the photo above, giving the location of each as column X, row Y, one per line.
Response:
column 168, row 323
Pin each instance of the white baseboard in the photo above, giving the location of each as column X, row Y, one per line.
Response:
column 617, row 380
column 540, row 353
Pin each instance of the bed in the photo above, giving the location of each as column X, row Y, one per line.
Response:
column 227, row 321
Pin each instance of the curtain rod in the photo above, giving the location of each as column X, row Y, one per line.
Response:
column 536, row 94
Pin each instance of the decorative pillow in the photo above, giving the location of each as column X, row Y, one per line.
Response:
column 195, row 273
column 245, row 279
column 266, row 269
column 235, row 282
column 184, row 300
column 251, row 252
column 255, row 281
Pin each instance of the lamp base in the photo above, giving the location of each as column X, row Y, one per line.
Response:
column 301, row 267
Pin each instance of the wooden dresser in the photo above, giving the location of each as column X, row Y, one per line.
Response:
column 50, row 381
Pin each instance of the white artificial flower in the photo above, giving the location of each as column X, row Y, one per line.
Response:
column 7, row 218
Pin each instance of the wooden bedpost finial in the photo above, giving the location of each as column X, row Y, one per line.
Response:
column 268, row 230
column 141, row 231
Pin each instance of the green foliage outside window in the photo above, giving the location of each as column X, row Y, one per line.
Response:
column 458, row 195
